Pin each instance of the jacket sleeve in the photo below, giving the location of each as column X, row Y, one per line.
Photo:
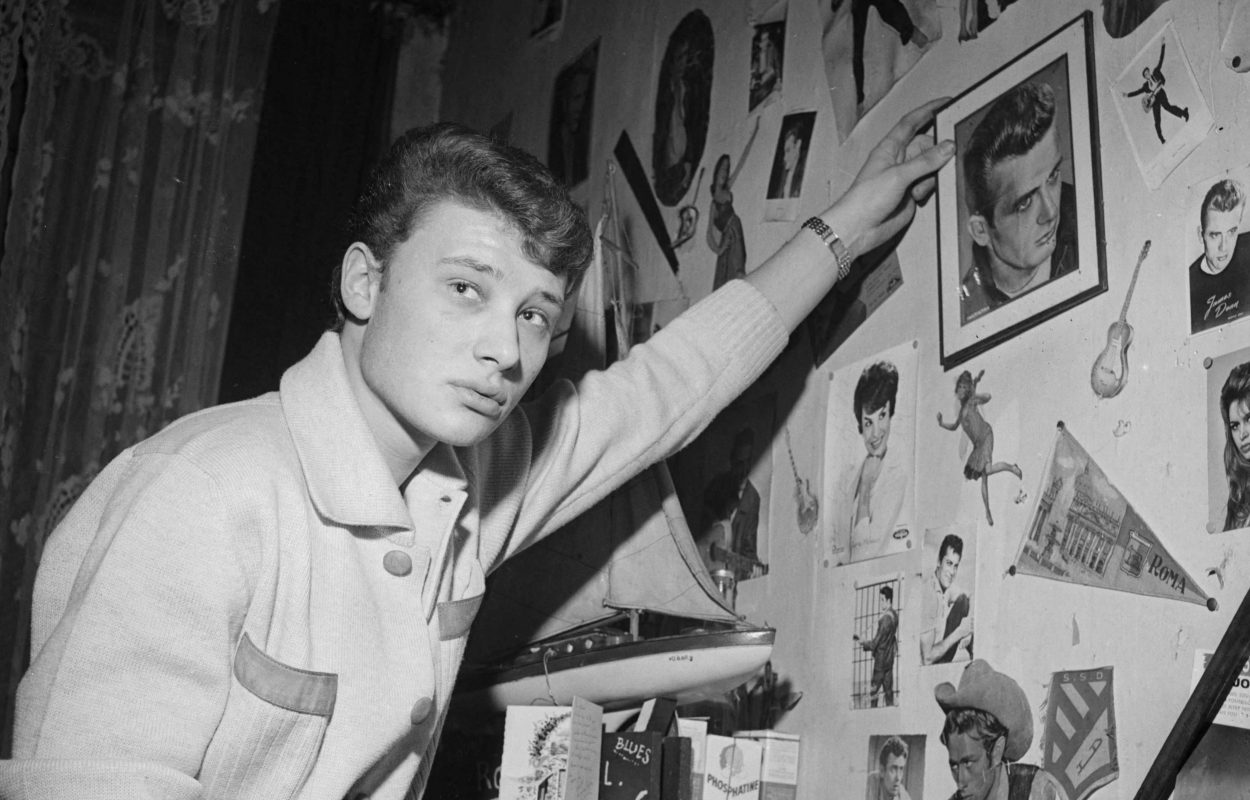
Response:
column 122, row 698
column 591, row 437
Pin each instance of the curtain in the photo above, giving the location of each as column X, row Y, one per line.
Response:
column 129, row 182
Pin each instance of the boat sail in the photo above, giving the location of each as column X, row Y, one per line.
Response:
column 562, row 618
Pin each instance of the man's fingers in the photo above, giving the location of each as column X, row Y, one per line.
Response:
column 926, row 163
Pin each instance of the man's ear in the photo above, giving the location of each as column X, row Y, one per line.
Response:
column 979, row 227
column 996, row 754
column 361, row 280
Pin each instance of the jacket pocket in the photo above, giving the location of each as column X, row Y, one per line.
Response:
column 272, row 729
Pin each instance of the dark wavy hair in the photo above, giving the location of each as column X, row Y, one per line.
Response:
column 894, row 746
column 448, row 161
column 976, row 724
column 1236, row 466
column 877, row 388
column 1224, row 195
column 1012, row 127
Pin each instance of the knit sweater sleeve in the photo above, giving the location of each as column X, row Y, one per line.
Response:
column 131, row 682
column 591, row 437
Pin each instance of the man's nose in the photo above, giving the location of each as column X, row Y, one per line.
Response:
column 498, row 341
column 1049, row 206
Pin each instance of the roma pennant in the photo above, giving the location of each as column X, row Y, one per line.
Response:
column 1083, row 530
column 1080, row 749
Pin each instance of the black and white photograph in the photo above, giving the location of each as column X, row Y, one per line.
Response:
column 1161, row 106
column 1020, row 205
column 1217, row 251
column 874, row 651
column 895, row 767
column 947, row 587
column 869, row 45
column 682, row 101
column 723, row 480
column 870, row 466
column 572, row 114
column 785, row 178
column 768, row 47
column 1228, row 442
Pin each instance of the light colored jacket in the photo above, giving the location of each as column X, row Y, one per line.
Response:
column 245, row 606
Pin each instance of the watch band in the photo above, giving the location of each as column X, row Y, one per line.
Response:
column 834, row 242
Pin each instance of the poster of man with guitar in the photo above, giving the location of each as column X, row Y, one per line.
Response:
column 1219, row 279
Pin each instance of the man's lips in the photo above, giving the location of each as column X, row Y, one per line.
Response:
column 483, row 398
column 1048, row 237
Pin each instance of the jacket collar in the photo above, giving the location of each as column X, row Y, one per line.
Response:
column 347, row 478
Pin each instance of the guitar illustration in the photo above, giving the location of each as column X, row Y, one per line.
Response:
column 1110, row 371
column 804, row 499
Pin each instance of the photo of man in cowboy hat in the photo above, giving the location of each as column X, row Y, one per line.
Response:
column 988, row 728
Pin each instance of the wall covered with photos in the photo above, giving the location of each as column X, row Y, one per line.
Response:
column 1092, row 510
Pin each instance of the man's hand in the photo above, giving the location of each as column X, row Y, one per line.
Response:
column 898, row 174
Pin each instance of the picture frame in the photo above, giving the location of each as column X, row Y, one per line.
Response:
column 1038, row 227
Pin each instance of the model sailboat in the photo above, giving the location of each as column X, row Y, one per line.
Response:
column 618, row 606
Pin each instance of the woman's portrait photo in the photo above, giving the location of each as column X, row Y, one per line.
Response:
column 682, row 101
column 870, row 465
column 1228, row 442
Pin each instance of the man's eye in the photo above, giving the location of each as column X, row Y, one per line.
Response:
column 1023, row 203
column 536, row 318
column 464, row 289
column 1054, row 177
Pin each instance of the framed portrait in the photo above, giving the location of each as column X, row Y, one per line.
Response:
column 572, row 110
column 1020, row 222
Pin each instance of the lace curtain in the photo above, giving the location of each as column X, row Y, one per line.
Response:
column 120, row 246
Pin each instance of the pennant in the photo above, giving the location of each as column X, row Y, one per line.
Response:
column 1084, row 531
column 1080, row 749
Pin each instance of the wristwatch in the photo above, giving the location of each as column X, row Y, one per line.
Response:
column 834, row 242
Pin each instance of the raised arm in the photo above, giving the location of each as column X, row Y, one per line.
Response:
column 880, row 203
column 745, row 152
column 955, row 423
column 1163, row 43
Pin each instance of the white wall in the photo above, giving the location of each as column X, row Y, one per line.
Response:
column 1024, row 624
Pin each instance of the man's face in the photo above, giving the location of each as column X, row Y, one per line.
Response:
column 1219, row 238
column 874, row 426
column 895, row 771
column 948, row 568
column 457, row 332
column 971, row 767
column 1022, row 232
column 791, row 151
column 740, row 461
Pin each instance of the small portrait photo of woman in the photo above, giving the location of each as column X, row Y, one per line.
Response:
column 1228, row 442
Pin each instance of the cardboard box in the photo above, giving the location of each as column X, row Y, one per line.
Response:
column 732, row 769
column 551, row 752
column 779, row 769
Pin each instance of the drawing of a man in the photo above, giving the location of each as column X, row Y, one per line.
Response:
column 1022, row 215
column 1155, row 97
column 947, row 609
column 887, row 782
column 1219, row 280
column 883, row 647
column 988, row 728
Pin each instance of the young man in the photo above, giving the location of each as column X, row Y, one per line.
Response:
column 887, row 783
column 787, row 177
column 730, row 496
column 947, row 609
column 271, row 598
column 1219, row 279
column 1022, row 215
column 883, row 647
column 988, row 728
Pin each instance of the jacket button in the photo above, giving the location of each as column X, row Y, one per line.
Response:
column 398, row 563
column 421, row 710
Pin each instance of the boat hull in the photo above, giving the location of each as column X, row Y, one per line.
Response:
column 689, row 668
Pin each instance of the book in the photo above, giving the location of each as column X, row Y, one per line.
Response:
column 678, row 753
column 695, row 729
column 551, row 752
column 631, row 765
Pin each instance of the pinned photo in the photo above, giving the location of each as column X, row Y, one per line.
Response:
column 1161, row 106
column 1219, row 272
column 768, row 49
column 785, row 181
